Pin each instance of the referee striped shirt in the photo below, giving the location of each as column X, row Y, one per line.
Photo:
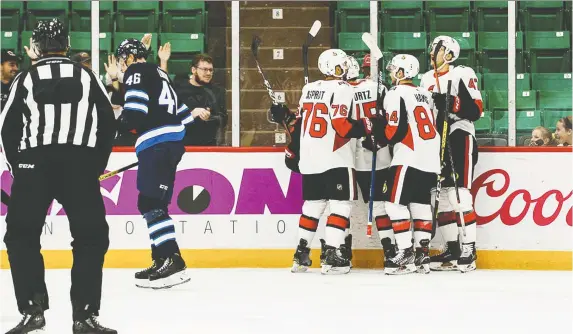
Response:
column 57, row 102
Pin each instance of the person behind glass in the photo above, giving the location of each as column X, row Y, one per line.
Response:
column 541, row 136
column 563, row 131
column 9, row 70
column 200, row 92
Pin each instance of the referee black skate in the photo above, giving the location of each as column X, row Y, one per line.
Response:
column 57, row 130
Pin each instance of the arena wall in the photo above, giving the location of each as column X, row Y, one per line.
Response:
column 239, row 207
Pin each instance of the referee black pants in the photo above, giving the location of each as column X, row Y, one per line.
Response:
column 69, row 175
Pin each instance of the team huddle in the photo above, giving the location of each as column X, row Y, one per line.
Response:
column 343, row 123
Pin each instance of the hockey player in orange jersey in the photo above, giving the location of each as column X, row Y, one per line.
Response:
column 467, row 107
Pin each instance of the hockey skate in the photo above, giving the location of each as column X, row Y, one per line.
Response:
column 402, row 263
column 467, row 261
column 90, row 325
column 322, row 251
column 142, row 277
column 448, row 259
column 32, row 322
column 173, row 272
column 301, row 260
column 348, row 244
column 389, row 250
column 335, row 261
column 422, row 260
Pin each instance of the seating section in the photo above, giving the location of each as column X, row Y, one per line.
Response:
column 183, row 23
column 542, row 60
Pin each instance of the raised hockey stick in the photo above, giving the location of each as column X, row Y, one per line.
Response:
column 115, row 172
column 309, row 38
column 255, row 50
column 375, row 52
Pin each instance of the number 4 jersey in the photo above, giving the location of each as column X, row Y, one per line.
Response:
column 152, row 107
column 326, row 130
column 411, row 128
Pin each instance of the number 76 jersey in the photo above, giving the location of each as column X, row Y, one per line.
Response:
column 323, row 111
column 415, row 138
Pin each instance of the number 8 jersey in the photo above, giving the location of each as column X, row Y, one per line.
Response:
column 415, row 138
column 152, row 107
column 326, row 131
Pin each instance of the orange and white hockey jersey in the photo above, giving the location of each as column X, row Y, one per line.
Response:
column 364, row 106
column 411, row 128
column 325, row 128
column 468, row 106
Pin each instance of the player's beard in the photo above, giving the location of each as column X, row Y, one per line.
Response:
column 199, row 81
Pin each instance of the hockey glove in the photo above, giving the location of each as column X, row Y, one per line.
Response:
column 123, row 126
column 281, row 113
column 379, row 130
column 440, row 102
column 368, row 143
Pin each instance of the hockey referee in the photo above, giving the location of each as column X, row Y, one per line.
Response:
column 57, row 130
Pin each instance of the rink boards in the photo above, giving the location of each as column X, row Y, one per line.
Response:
column 240, row 208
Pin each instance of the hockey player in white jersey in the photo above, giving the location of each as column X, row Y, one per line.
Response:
column 414, row 167
column 322, row 151
column 364, row 106
column 466, row 108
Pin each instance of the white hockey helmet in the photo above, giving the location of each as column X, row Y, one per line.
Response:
column 450, row 44
column 408, row 63
column 353, row 68
column 330, row 59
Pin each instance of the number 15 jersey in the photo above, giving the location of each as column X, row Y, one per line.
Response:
column 323, row 111
column 415, row 138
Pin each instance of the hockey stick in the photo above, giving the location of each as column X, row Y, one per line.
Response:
column 375, row 52
column 311, row 35
column 255, row 50
column 115, row 172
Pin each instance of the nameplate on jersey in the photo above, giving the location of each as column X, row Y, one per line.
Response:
column 422, row 98
column 363, row 96
column 162, row 74
column 315, row 94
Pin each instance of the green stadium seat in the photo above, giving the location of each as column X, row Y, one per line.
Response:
column 490, row 4
column 353, row 22
column 479, row 77
column 494, row 20
column 555, row 105
column 404, row 41
column 549, row 50
column 353, row 5
column 10, row 40
column 499, row 81
column 46, row 10
column 542, row 15
column 484, row 124
column 352, row 41
column 402, row 16
column 448, row 15
column 81, row 41
column 184, row 17
column 497, row 41
column 527, row 116
column 136, row 16
column 496, row 62
column 11, row 13
column 81, row 16
column 551, row 82
column 190, row 43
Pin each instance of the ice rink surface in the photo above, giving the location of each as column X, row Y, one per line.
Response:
column 272, row 301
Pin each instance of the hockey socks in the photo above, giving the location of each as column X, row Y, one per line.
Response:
column 162, row 234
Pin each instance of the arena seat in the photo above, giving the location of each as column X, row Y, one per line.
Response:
column 484, row 124
column 551, row 81
column 10, row 40
column 549, row 50
column 554, row 105
column 352, row 16
column 81, row 16
column 184, row 17
column 527, row 115
column 46, row 10
column 183, row 46
column 352, row 42
column 542, row 15
column 402, row 16
column 448, row 15
column 11, row 14
column 136, row 16
column 499, row 81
